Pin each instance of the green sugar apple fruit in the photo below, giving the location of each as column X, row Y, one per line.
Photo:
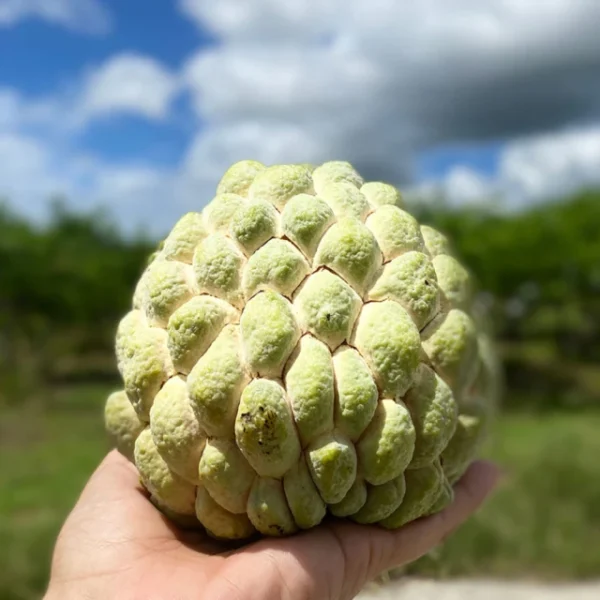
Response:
column 300, row 347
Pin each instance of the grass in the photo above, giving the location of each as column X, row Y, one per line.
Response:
column 45, row 459
column 544, row 522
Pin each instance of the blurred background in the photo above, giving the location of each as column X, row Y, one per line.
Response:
column 117, row 117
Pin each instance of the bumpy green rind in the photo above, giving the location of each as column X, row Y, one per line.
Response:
column 279, row 183
column 396, row 231
column 254, row 224
column 221, row 211
column 389, row 341
column 220, row 523
column 122, row 423
column 264, row 429
column 357, row 393
column 188, row 232
column 434, row 413
column 309, row 384
column 387, row 446
column 423, row 487
column 450, row 343
column 239, row 177
column 277, row 266
column 268, row 509
column 327, row 307
column 445, row 498
column 226, row 474
column 176, row 432
column 352, row 502
column 345, row 200
column 167, row 285
column 381, row 194
column 143, row 361
column 464, row 445
column 304, row 220
column 306, row 505
column 382, row 501
column 218, row 266
column 269, row 333
column 332, row 462
column 454, row 281
column 335, row 171
column 435, row 242
column 194, row 327
column 349, row 249
column 171, row 490
column 216, row 383
column 302, row 346
column 411, row 280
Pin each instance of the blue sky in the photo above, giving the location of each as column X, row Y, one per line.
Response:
column 141, row 105
column 43, row 58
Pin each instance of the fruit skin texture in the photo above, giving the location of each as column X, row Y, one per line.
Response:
column 301, row 347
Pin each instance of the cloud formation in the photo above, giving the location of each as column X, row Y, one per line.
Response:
column 83, row 16
column 128, row 83
column 33, row 172
column 378, row 81
column 40, row 155
column 125, row 84
column 530, row 169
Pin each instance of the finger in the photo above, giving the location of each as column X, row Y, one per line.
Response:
column 370, row 551
column 114, row 474
column 337, row 559
column 418, row 538
column 114, row 500
column 115, row 481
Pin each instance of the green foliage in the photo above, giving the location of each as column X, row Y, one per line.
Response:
column 63, row 288
column 76, row 271
column 544, row 519
column 542, row 268
column 65, row 285
column 544, row 523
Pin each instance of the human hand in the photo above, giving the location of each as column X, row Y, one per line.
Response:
column 116, row 545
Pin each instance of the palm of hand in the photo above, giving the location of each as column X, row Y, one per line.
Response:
column 115, row 544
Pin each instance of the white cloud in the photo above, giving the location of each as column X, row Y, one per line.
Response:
column 551, row 165
column 9, row 108
column 41, row 157
column 128, row 83
column 282, row 19
column 371, row 81
column 18, row 113
column 33, row 172
column 24, row 163
column 531, row 169
column 85, row 16
column 375, row 81
column 465, row 186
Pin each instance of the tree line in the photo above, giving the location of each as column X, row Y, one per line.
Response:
column 64, row 286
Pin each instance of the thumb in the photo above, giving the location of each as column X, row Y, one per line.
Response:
column 112, row 508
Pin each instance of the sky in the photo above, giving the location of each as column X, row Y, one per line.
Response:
column 140, row 106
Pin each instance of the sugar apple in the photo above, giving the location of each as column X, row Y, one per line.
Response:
column 300, row 347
